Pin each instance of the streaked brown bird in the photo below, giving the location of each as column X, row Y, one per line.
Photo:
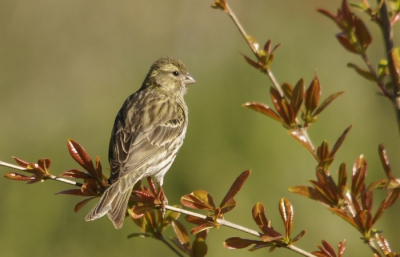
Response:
column 148, row 131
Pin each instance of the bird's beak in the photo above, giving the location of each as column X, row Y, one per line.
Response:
column 189, row 80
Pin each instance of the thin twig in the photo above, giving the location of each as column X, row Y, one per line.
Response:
column 235, row 226
column 268, row 71
column 387, row 34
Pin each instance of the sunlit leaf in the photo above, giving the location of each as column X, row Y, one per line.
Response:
column 253, row 42
column 20, row 177
column 81, row 156
column 21, row 162
column 359, row 174
column 228, row 205
column 264, row 109
column 75, row 174
column 198, row 199
column 344, row 216
column 299, row 136
column 201, row 227
column 383, row 69
column 286, row 211
column 385, row 161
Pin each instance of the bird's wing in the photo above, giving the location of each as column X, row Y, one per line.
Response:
column 143, row 136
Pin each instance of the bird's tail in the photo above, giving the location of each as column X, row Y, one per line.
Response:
column 113, row 202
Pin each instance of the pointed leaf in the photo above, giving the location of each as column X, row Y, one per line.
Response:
column 385, row 161
column 359, row 174
column 362, row 34
column 76, row 192
column 363, row 73
column 297, row 97
column 298, row 135
column 286, row 211
column 326, row 102
column 313, row 93
column 339, row 142
column 236, row 186
column 201, row 227
column 264, row 109
column 287, row 90
column 21, row 162
column 238, row 243
column 181, row 233
column 341, row 248
column 75, row 174
column 79, row 205
column 342, row 179
column 81, row 156
column 344, row 216
column 253, row 63
column 20, row 177
column 298, row 236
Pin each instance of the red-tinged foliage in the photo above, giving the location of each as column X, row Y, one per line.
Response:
column 326, row 250
column 202, row 200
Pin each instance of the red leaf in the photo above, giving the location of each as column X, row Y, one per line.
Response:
column 286, row 211
column 236, row 186
column 198, row 199
column 201, row 227
column 313, row 93
column 75, row 174
column 326, row 102
column 339, row 142
column 228, row 206
column 81, row 156
column 238, row 243
column 20, row 177
column 20, row 162
column 363, row 36
column 297, row 97
column 346, row 43
column 181, row 233
column 79, row 205
column 385, row 161
column 258, row 213
column 76, row 192
column 264, row 109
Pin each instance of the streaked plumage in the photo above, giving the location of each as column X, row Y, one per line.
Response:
column 148, row 131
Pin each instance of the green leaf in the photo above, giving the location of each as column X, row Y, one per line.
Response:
column 363, row 73
column 286, row 211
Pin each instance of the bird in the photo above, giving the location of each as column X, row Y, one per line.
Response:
column 148, row 131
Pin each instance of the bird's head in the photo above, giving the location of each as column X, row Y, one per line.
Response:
column 169, row 75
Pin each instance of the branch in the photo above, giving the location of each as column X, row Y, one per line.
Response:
column 268, row 72
column 387, row 34
column 235, row 226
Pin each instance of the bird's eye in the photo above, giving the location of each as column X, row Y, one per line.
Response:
column 175, row 73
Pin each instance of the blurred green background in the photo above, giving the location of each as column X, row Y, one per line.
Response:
column 67, row 66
